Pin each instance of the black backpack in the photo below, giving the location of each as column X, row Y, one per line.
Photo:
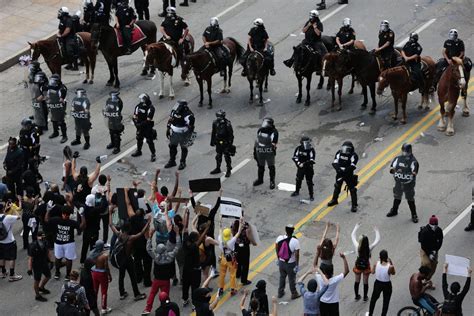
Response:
column 69, row 290
column 118, row 255
column 3, row 229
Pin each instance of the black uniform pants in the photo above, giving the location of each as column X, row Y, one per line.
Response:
column 127, row 36
column 243, row 262
column 351, row 182
column 60, row 125
column 386, row 289
column 223, row 150
column 404, row 188
column 82, row 128
column 14, row 184
column 191, row 279
column 88, row 242
column 168, row 3
column 115, row 137
column 145, row 133
column 143, row 263
column 130, row 268
column 142, row 9
column 305, row 172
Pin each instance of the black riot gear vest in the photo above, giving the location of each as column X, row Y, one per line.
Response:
column 222, row 130
column 113, row 113
column 264, row 140
column 55, row 106
column 79, row 105
column 404, row 166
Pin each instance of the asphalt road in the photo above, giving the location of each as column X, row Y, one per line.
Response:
column 446, row 169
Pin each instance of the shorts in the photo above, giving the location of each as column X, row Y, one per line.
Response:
column 8, row 251
column 360, row 271
column 67, row 251
column 40, row 270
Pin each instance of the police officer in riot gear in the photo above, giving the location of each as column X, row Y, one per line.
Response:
column 113, row 114
column 125, row 17
column 346, row 36
column 179, row 131
column 222, row 136
column 40, row 109
column 265, row 150
column 404, row 169
column 33, row 69
column 56, row 101
column 88, row 17
column 82, row 117
column 411, row 53
column 386, row 42
column 67, row 35
column 345, row 162
column 304, row 158
column 143, row 120
column 212, row 38
column 29, row 142
column 102, row 12
column 258, row 40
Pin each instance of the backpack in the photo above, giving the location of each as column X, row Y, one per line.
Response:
column 283, row 249
column 3, row 229
column 118, row 255
column 69, row 290
column 101, row 202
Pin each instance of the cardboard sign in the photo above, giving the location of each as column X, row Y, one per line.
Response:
column 202, row 210
column 179, row 200
column 231, row 207
column 205, row 185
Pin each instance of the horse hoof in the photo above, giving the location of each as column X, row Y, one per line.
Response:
column 109, row 83
column 449, row 133
column 403, row 121
column 320, row 86
column 200, row 105
column 171, row 97
column 372, row 112
column 350, row 91
column 161, row 96
column 427, row 108
column 298, row 100
column 228, row 90
column 209, row 106
column 338, row 108
column 394, row 117
column 85, row 81
column 91, row 81
column 186, row 84
column 465, row 114
column 363, row 106
column 223, row 91
column 265, row 89
column 441, row 128
column 307, row 103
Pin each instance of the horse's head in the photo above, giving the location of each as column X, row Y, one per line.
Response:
column 186, row 66
column 35, row 51
column 254, row 64
column 383, row 82
column 330, row 64
column 302, row 57
column 96, row 30
column 457, row 71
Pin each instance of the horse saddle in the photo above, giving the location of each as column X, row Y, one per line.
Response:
column 137, row 35
column 77, row 43
column 310, row 49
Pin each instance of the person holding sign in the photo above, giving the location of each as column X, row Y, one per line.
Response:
column 453, row 298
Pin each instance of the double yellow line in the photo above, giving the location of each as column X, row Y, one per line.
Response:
column 318, row 213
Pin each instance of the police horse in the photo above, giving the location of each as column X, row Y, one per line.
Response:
column 53, row 55
column 205, row 64
column 104, row 38
column 401, row 83
column 452, row 83
column 164, row 57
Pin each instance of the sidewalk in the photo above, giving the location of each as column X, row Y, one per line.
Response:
column 23, row 21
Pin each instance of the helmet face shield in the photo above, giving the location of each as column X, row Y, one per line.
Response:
column 453, row 34
column 307, row 144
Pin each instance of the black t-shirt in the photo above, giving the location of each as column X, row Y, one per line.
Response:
column 164, row 309
column 38, row 251
column 412, row 48
column 65, row 23
column 174, row 27
column 385, row 37
column 213, row 34
column 137, row 223
column 453, row 48
column 92, row 215
column 346, row 34
column 64, row 230
column 259, row 36
column 310, row 35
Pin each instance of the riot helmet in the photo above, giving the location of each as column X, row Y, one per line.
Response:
column 170, row 11
column 35, row 65
column 453, row 34
column 214, row 22
column 114, row 95
column 384, row 26
column 40, row 78
column 26, row 123
column 81, row 93
column 62, row 12
column 220, row 114
column 346, row 22
column 267, row 122
column 305, row 141
column 258, row 22
column 414, row 37
column 407, row 149
column 347, row 148
column 144, row 98
column 53, row 82
column 313, row 14
column 180, row 108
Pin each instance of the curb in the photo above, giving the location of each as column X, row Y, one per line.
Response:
column 13, row 59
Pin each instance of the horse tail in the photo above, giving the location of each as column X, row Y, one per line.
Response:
column 239, row 49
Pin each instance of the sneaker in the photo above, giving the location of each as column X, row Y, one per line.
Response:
column 40, row 298
column 56, row 275
column 153, row 158
column 43, row 290
column 110, row 146
column 107, row 310
column 246, row 282
column 15, row 277
column 294, row 296
column 354, row 208
column 392, row 213
column 281, row 294
column 272, row 185
column 228, row 173
column 107, row 245
column 469, row 227
column 116, row 151
column 185, row 303
column 86, row 146
column 63, row 139
column 170, row 164
column 233, row 292
column 215, row 171
column 257, row 182
column 311, row 198
column 414, row 219
column 182, row 165
column 123, row 296
column 145, row 312
column 366, row 298
column 140, row 297
column 358, row 297
column 75, row 142
column 53, row 135
column 67, row 279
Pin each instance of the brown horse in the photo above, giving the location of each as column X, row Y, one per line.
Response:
column 450, row 85
column 51, row 53
column 204, row 65
column 398, row 78
column 163, row 56
column 336, row 71
column 105, row 39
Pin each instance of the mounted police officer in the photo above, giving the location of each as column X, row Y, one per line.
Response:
column 222, row 136
column 102, row 12
column 143, row 120
column 82, row 117
column 258, row 40
column 113, row 114
column 88, row 15
column 180, row 131
column 404, row 169
column 304, row 158
column 345, row 162
column 174, row 30
column 453, row 47
column 265, row 150
column 312, row 30
column 385, row 46
column 56, row 101
column 29, row 142
column 40, row 110
column 411, row 53
column 212, row 38
column 346, row 36
column 125, row 17
column 67, row 36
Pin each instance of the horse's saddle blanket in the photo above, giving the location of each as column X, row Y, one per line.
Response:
column 174, row 55
column 137, row 35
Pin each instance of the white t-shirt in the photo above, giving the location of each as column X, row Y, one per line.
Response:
column 229, row 245
column 294, row 245
column 8, row 221
column 332, row 293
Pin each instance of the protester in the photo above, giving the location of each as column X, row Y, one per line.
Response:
column 84, row 181
column 100, row 272
column 73, row 286
column 383, row 269
column 90, row 234
column 167, row 307
column 68, row 307
column 254, row 306
column 287, row 248
column 8, row 248
column 101, row 192
column 430, row 238
column 242, row 250
column 30, row 223
column 453, row 298
column 206, row 248
column 38, row 266
column 419, row 283
column 326, row 248
column 260, row 294
column 13, row 165
column 202, row 299
column 87, row 282
column 311, row 295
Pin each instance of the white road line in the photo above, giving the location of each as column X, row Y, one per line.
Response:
column 418, row 30
column 458, row 219
column 230, row 8
column 117, row 158
column 333, row 12
column 4, row 146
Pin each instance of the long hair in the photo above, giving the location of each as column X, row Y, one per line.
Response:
column 364, row 249
column 327, row 249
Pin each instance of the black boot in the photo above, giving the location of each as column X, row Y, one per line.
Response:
column 55, row 131
column 77, row 141
column 289, row 62
column 173, row 153
column 110, row 146
column 414, row 216
column 356, row 291
column 228, row 162
column 261, row 172
column 117, row 141
column 218, row 166
column 112, row 140
column 321, row 6
column 354, row 200
column 310, row 190
column 138, row 152
column 470, row 226
column 394, row 209
column 228, row 173
column 63, row 133
column 182, row 162
column 297, row 189
column 87, row 145
column 366, row 291
column 335, row 195
column 272, row 172
column 151, row 145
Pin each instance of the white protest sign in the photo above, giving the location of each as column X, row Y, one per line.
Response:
column 457, row 265
column 231, row 207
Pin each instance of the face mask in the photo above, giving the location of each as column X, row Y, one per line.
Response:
column 382, row 28
column 346, row 149
column 405, row 153
column 433, row 227
column 265, row 124
column 307, row 145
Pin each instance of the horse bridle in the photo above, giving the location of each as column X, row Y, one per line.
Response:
column 261, row 55
column 308, row 63
column 209, row 63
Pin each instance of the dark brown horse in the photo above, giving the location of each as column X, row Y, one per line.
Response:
column 257, row 70
column 105, row 39
column 398, row 78
column 306, row 62
column 336, row 71
column 50, row 51
column 450, row 85
column 163, row 56
column 204, row 65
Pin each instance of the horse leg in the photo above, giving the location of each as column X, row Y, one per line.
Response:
column 450, row 111
column 117, row 81
column 308, row 90
column 372, row 95
column 251, row 91
column 395, row 103
column 171, row 95
column 162, row 85
column 333, row 92
column 442, row 112
column 351, row 91
column 92, row 58
column 87, row 65
column 339, row 93
column 260, row 90
column 111, row 72
column 465, row 107
column 209, row 91
column 300, row 84
column 224, row 89
column 321, row 81
column 363, row 106
column 200, row 83
column 230, row 78
column 266, row 86
column 404, row 109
